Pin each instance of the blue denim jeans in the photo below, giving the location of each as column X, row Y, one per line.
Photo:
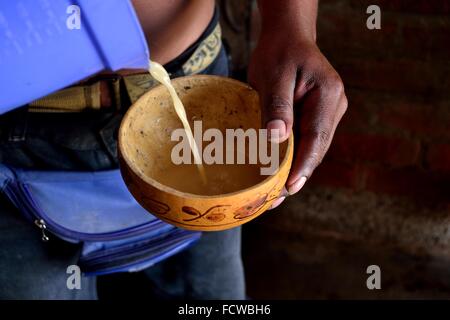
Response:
column 32, row 269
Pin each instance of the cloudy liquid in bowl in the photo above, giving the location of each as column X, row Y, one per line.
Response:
column 208, row 179
column 221, row 178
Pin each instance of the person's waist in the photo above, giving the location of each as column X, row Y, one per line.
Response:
column 116, row 90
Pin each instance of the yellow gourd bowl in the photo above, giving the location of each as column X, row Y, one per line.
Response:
column 145, row 145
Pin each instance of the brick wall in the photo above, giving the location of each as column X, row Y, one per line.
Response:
column 382, row 194
column 395, row 138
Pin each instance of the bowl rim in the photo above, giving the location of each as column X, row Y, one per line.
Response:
column 156, row 184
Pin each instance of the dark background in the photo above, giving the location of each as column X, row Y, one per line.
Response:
column 382, row 194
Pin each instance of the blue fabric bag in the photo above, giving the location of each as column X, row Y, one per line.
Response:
column 96, row 209
column 40, row 52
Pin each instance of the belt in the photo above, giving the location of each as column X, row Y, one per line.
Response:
column 79, row 98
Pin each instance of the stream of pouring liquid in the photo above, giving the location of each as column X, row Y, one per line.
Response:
column 160, row 74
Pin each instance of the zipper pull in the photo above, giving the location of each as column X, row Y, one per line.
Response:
column 41, row 225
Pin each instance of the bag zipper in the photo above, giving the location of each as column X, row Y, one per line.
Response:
column 44, row 223
column 41, row 225
column 157, row 242
column 106, row 264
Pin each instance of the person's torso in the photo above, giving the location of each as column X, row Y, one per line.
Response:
column 171, row 26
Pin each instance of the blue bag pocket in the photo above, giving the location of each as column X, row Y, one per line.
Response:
column 94, row 208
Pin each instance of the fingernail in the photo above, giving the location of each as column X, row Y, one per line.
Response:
column 297, row 185
column 276, row 203
column 276, row 130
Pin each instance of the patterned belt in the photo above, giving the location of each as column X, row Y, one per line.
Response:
column 81, row 97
